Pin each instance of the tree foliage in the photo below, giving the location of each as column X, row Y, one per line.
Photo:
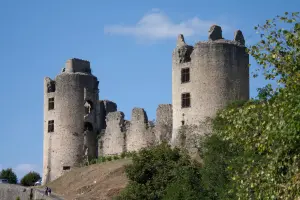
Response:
column 254, row 150
column 162, row 173
column 258, row 152
column 9, row 175
column 278, row 52
column 30, row 178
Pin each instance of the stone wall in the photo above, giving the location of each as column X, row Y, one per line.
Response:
column 11, row 192
column 163, row 124
column 218, row 74
column 127, row 136
column 74, row 117
column 113, row 141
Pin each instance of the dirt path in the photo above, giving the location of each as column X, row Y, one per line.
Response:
column 94, row 182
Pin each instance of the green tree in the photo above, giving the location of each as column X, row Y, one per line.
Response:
column 158, row 171
column 254, row 150
column 277, row 52
column 9, row 175
column 30, row 178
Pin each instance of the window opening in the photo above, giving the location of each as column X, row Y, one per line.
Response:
column 185, row 100
column 50, row 103
column 66, row 167
column 185, row 75
column 50, row 126
column 88, row 107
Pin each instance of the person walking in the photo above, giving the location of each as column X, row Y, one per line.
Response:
column 49, row 191
column 46, row 191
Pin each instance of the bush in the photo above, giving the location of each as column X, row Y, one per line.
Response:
column 93, row 161
column 116, row 157
column 18, row 198
column 123, row 155
column 159, row 171
column 99, row 160
column 9, row 175
column 103, row 159
column 109, row 158
column 30, row 178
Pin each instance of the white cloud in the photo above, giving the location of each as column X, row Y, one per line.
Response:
column 156, row 25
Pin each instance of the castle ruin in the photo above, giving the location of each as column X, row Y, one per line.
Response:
column 78, row 126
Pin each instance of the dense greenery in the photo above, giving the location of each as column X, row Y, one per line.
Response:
column 162, row 173
column 9, row 175
column 30, row 178
column 255, row 151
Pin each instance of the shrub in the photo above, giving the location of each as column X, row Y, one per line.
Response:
column 103, row 159
column 109, row 158
column 93, row 161
column 99, row 160
column 30, row 178
column 123, row 155
column 158, row 171
column 18, row 198
column 116, row 157
column 9, row 175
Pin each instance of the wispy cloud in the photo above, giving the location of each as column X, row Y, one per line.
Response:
column 157, row 25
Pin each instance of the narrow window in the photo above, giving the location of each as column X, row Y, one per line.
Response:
column 185, row 75
column 50, row 126
column 182, row 122
column 185, row 100
column 50, row 103
column 66, row 167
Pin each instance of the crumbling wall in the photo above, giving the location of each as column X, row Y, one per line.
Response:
column 121, row 135
column 113, row 140
column 140, row 134
column 189, row 136
column 163, row 125
column 105, row 107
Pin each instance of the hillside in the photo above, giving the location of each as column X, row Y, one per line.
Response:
column 98, row 181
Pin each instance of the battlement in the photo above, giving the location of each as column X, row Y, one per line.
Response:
column 77, row 65
column 183, row 52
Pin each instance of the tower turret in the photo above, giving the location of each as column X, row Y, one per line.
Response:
column 70, row 118
column 206, row 77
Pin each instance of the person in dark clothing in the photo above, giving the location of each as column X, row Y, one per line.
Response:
column 46, row 191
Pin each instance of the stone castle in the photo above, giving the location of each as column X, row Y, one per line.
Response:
column 77, row 125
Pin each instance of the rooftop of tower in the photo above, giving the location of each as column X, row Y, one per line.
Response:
column 74, row 65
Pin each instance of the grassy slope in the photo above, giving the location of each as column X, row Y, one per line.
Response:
column 98, row 181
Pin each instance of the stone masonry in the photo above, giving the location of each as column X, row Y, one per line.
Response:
column 80, row 127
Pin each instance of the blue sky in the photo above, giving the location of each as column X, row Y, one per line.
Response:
column 129, row 44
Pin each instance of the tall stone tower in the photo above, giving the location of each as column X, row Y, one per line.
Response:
column 207, row 76
column 70, row 118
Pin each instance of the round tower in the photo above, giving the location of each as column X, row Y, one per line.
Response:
column 70, row 120
column 206, row 77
